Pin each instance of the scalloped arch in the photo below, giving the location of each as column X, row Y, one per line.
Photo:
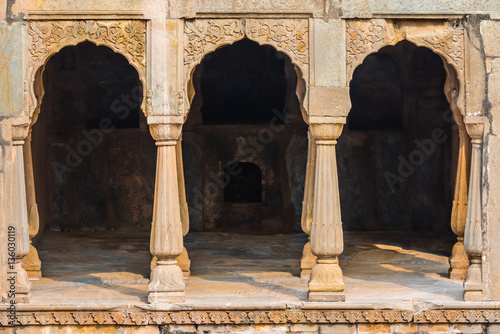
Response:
column 289, row 36
column 46, row 38
column 364, row 37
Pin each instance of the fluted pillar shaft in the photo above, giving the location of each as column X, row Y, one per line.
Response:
column 18, row 230
column 326, row 282
column 167, row 284
column 183, row 260
column 308, row 259
column 31, row 262
column 473, row 238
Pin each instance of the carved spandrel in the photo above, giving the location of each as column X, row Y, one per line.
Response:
column 364, row 37
column 290, row 36
column 449, row 43
column 204, row 36
column 127, row 37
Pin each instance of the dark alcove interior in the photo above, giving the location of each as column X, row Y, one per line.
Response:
column 245, row 110
column 94, row 159
column 396, row 154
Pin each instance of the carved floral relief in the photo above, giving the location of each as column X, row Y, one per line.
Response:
column 127, row 37
column 368, row 36
column 290, row 36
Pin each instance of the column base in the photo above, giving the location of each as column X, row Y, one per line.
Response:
column 473, row 284
column 307, row 262
column 325, row 296
column 34, row 275
column 19, row 284
column 167, row 283
column 22, row 298
column 326, row 276
column 459, row 261
column 166, row 297
column 32, row 264
column 184, row 263
column 458, row 274
column 473, row 296
column 305, row 273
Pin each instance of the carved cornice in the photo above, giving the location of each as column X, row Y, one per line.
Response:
column 251, row 317
column 127, row 37
column 290, row 36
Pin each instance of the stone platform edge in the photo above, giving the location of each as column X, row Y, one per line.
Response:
column 138, row 317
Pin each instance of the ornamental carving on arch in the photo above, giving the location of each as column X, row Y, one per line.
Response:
column 290, row 36
column 126, row 37
column 368, row 36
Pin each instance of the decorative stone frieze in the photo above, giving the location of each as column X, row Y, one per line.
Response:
column 245, row 317
column 126, row 37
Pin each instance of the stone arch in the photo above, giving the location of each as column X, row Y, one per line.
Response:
column 447, row 42
column 446, row 39
column 46, row 38
column 289, row 36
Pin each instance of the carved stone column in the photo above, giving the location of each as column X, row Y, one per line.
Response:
column 326, row 282
column 473, row 239
column 31, row 262
column 167, row 283
column 308, row 259
column 459, row 260
column 18, row 226
column 183, row 260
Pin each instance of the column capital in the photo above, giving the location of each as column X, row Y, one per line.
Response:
column 326, row 128
column 20, row 130
column 166, row 130
column 475, row 127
